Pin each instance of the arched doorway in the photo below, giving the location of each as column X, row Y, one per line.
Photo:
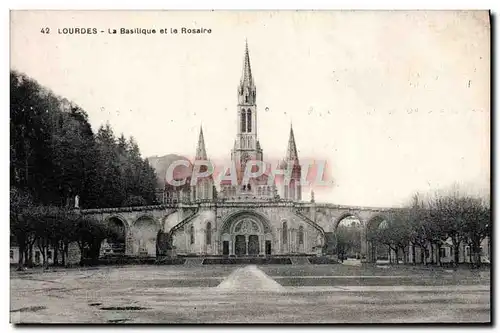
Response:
column 144, row 234
column 377, row 251
column 348, row 232
column 115, row 243
column 246, row 234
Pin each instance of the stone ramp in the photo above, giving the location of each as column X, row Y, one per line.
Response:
column 193, row 262
column 300, row 261
column 249, row 279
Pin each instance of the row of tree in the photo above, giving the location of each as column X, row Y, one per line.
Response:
column 54, row 154
column 428, row 224
column 49, row 227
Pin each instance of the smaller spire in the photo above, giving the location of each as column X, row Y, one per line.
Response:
column 312, row 196
column 201, row 153
column 291, row 152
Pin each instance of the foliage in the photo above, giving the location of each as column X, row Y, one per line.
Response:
column 134, row 200
column 348, row 241
column 54, row 155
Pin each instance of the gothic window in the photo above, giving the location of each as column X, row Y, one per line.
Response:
column 285, row 233
column 243, row 121
column 208, row 238
column 249, row 187
column 205, row 190
column 249, row 120
column 259, row 191
column 191, row 234
column 301, row 235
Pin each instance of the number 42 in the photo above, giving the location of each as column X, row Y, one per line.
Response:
column 45, row 30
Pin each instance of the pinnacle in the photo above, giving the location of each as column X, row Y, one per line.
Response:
column 291, row 153
column 201, row 153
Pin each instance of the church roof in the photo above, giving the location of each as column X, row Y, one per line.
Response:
column 246, row 76
column 291, row 152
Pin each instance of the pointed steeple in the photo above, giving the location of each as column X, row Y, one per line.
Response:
column 201, row 153
column 246, row 75
column 291, row 152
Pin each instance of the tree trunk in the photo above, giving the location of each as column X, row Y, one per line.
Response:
column 20, row 261
column 63, row 257
column 438, row 256
column 66, row 251
column 405, row 260
column 413, row 253
column 456, row 250
column 432, row 253
column 477, row 252
column 56, row 251
column 26, row 255
column 30, row 255
column 471, row 250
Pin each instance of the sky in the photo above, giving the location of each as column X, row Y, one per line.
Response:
column 395, row 102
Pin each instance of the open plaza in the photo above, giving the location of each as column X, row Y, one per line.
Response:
column 296, row 293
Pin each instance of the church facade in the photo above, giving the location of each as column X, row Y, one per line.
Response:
column 261, row 217
column 254, row 218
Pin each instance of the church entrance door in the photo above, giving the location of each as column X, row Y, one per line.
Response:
column 240, row 248
column 253, row 245
column 268, row 247
column 225, row 248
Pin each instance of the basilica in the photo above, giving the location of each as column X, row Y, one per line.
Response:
column 255, row 218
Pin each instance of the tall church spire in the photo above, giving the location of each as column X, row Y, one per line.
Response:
column 201, row 153
column 246, row 75
column 291, row 152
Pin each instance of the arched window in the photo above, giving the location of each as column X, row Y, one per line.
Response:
column 205, row 188
column 243, row 121
column 191, row 234
column 249, row 120
column 301, row 235
column 208, row 238
column 285, row 233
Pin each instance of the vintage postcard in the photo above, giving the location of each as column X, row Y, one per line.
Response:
column 250, row 167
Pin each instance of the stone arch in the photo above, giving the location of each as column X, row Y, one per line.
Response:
column 245, row 233
column 144, row 233
column 230, row 218
column 376, row 219
column 349, row 239
column 118, row 229
column 344, row 216
column 374, row 249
